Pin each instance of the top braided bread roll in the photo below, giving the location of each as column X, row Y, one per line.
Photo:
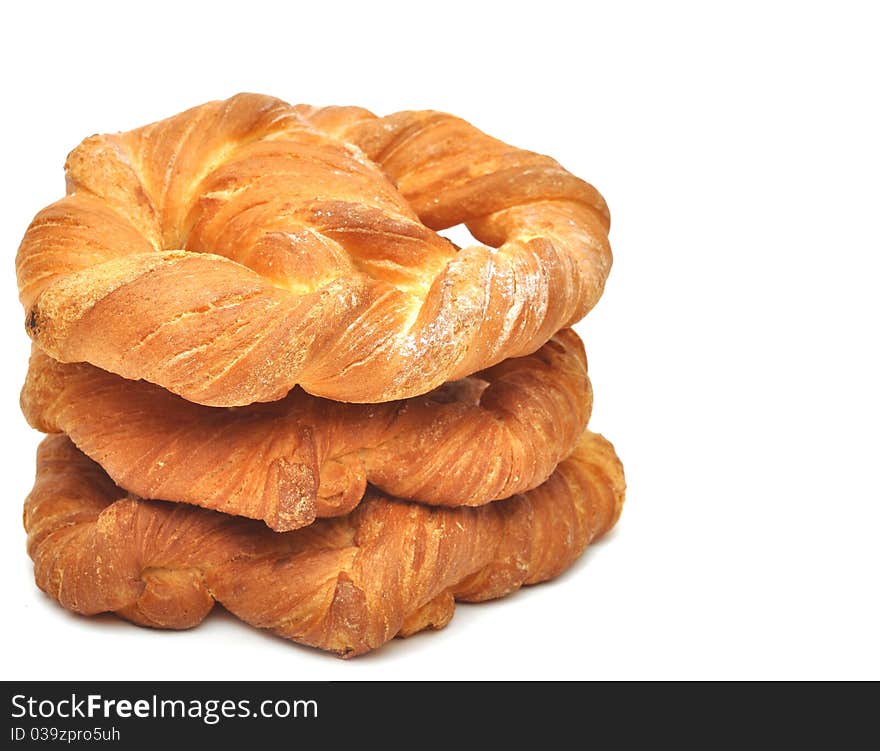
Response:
column 246, row 246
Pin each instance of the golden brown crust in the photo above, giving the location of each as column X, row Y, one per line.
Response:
column 243, row 247
column 301, row 458
column 347, row 584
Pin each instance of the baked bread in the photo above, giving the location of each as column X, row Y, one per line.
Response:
column 300, row 458
column 243, row 247
column 347, row 584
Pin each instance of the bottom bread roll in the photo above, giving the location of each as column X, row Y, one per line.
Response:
column 348, row 584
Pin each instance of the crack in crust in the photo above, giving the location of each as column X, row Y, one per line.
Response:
column 289, row 462
column 243, row 247
column 347, row 585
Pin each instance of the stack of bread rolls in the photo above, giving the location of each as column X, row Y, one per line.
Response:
column 267, row 381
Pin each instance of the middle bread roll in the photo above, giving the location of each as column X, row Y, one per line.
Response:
column 486, row 437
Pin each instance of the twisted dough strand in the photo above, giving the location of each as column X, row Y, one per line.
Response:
column 236, row 250
column 300, row 458
column 347, row 585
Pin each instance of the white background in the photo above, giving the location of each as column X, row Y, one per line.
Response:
column 734, row 355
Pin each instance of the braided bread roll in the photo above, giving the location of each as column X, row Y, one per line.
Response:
column 346, row 585
column 301, row 458
column 243, row 247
